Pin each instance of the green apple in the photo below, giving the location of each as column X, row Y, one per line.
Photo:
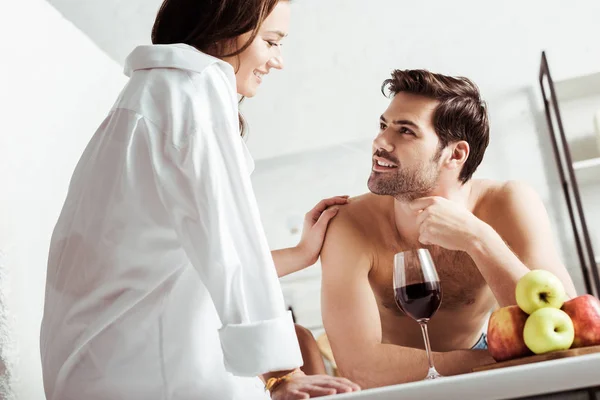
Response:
column 548, row 329
column 538, row 289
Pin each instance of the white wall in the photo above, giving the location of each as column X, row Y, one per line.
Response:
column 56, row 87
column 339, row 51
column 114, row 25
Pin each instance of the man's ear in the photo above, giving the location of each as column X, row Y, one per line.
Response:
column 460, row 153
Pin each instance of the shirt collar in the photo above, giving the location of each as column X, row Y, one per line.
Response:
column 179, row 56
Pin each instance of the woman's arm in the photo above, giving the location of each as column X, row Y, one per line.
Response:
column 306, row 253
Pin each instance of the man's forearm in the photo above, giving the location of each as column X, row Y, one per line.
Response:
column 388, row 364
column 498, row 265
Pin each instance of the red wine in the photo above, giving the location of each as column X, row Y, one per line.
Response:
column 419, row 300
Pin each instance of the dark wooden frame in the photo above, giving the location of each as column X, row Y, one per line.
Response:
column 569, row 184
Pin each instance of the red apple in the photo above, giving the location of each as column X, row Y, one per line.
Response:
column 585, row 314
column 505, row 334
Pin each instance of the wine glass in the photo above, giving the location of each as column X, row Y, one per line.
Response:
column 418, row 292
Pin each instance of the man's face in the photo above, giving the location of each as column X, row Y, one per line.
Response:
column 406, row 152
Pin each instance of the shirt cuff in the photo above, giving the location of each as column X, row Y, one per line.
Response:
column 260, row 347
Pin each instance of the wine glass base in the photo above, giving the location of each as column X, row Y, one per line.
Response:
column 432, row 374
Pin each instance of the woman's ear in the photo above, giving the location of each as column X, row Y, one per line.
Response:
column 460, row 153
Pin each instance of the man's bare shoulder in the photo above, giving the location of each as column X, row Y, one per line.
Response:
column 351, row 232
column 496, row 199
column 361, row 211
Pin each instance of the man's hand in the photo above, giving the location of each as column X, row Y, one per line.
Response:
column 315, row 226
column 444, row 223
column 300, row 386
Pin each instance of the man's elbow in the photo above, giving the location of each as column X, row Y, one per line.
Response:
column 356, row 366
column 359, row 374
column 370, row 378
column 365, row 371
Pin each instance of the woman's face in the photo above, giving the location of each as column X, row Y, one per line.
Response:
column 264, row 53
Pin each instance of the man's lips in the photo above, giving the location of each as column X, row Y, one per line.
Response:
column 384, row 162
column 382, row 168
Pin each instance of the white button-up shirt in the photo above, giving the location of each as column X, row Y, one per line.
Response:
column 160, row 281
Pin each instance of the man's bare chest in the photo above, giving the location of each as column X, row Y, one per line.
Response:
column 461, row 281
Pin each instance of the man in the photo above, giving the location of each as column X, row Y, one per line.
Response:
column 483, row 236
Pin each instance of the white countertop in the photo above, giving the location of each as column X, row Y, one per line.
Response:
column 503, row 383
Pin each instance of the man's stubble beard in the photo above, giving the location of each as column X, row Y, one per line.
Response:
column 405, row 184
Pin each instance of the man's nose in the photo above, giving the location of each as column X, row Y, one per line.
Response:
column 381, row 142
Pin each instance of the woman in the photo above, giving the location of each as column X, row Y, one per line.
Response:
column 160, row 283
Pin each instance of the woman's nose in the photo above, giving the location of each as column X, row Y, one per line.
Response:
column 276, row 62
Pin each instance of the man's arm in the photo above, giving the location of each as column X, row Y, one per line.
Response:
column 519, row 239
column 514, row 239
column 352, row 323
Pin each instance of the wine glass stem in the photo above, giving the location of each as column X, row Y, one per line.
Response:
column 427, row 345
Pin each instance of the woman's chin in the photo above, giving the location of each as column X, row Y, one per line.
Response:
column 248, row 90
column 248, row 93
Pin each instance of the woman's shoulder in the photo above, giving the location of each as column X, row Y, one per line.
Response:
column 174, row 86
column 176, row 71
column 185, row 63
column 172, row 58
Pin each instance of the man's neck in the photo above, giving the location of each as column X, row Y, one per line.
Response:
column 406, row 218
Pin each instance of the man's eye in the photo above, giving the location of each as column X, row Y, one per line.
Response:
column 382, row 126
column 271, row 44
column 404, row 130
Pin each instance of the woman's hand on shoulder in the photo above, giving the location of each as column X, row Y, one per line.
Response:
column 316, row 222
